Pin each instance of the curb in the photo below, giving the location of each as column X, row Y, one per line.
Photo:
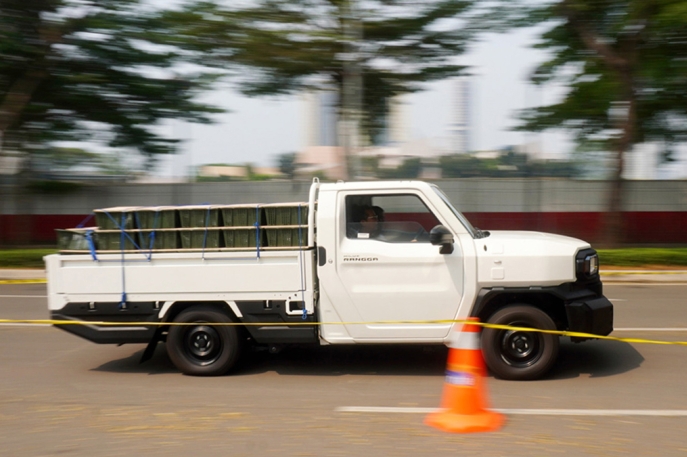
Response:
column 22, row 274
column 644, row 276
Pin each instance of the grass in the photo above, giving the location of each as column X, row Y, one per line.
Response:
column 627, row 257
column 640, row 257
column 24, row 258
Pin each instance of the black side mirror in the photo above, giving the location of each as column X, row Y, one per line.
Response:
column 440, row 235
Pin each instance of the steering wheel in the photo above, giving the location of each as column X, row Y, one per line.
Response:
column 420, row 235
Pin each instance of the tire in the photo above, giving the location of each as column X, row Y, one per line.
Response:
column 517, row 355
column 203, row 349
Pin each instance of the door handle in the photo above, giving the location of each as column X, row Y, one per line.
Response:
column 321, row 256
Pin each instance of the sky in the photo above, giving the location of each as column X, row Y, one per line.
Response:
column 257, row 130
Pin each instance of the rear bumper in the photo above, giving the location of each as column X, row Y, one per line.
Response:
column 88, row 320
column 593, row 315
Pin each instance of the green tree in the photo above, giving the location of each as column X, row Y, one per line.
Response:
column 461, row 166
column 61, row 163
column 409, row 169
column 624, row 63
column 389, row 47
column 106, row 71
column 287, row 164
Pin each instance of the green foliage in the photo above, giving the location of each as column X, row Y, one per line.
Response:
column 287, row 164
column 291, row 45
column 508, row 165
column 639, row 257
column 409, row 169
column 217, row 179
column 623, row 62
column 260, row 177
column 53, row 187
column 462, row 166
column 560, row 169
column 24, row 258
column 253, row 176
column 67, row 158
column 106, row 71
column 623, row 65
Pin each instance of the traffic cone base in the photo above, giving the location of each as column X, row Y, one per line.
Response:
column 464, row 400
column 484, row 421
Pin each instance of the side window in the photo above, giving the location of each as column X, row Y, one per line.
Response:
column 388, row 218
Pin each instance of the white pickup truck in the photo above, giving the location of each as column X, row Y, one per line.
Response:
column 366, row 263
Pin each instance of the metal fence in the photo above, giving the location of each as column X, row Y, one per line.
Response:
column 654, row 212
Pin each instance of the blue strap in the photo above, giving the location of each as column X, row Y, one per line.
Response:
column 152, row 243
column 83, row 222
column 121, row 227
column 91, row 244
column 138, row 225
column 151, row 237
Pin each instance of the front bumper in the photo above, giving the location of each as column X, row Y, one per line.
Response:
column 593, row 315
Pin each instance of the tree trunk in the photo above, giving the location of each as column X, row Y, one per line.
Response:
column 622, row 63
column 614, row 228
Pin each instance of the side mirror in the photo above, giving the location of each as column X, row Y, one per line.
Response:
column 440, row 235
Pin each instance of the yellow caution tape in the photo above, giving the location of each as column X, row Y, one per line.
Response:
column 23, row 281
column 292, row 324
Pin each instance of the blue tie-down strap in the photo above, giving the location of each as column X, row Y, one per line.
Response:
column 91, row 244
column 121, row 228
column 83, row 222
column 151, row 236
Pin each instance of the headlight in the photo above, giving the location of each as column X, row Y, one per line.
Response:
column 587, row 263
column 591, row 265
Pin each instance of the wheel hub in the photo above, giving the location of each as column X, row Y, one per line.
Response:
column 520, row 344
column 520, row 348
column 203, row 344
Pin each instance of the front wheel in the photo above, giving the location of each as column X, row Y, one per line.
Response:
column 520, row 355
column 199, row 348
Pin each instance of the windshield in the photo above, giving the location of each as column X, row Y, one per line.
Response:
column 473, row 231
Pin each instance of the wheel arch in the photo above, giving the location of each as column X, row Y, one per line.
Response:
column 490, row 301
column 180, row 306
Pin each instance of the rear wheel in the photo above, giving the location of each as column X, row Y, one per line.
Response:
column 200, row 348
column 515, row 354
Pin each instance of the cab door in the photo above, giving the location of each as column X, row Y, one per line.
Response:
column 390, row 283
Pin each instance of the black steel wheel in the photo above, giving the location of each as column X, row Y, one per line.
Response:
column 203, row 349
column 517, row 354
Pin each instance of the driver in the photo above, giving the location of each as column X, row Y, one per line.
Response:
column 369, row 220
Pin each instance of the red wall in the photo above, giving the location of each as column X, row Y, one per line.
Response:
column 668, row 227
column 35, row 229
column 640, row 227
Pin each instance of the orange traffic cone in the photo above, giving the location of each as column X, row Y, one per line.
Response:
column 464, row 400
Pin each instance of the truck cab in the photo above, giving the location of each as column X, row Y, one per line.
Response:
column 393, row 274
column 424, row 262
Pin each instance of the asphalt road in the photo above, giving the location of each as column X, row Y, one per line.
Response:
column 60, row 395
